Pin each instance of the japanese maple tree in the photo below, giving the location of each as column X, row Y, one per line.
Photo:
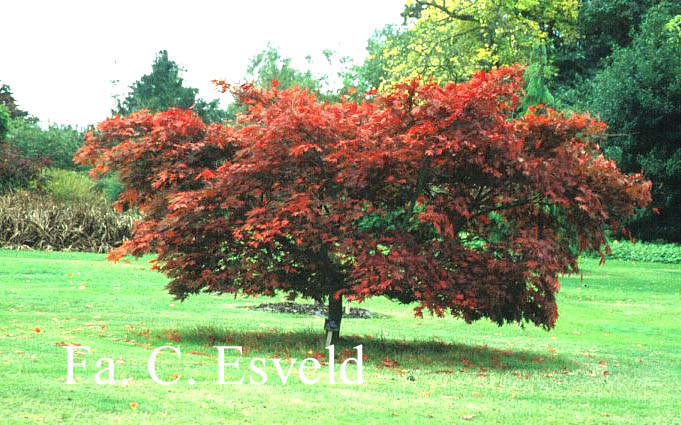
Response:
column 438, row 195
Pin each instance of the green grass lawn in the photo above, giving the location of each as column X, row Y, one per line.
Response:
column 614, row 357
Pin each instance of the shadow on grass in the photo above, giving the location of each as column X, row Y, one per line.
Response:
column 430, row 356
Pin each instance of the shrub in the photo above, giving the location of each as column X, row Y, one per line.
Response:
column 57, row 143
column 31, row 221
column 646, row 252
column 69, row 186
column 16, row 171
column 110, row 187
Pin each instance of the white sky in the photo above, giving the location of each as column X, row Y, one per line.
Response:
column 59, row 57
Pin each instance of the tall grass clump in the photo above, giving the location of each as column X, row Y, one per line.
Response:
column 30, row 221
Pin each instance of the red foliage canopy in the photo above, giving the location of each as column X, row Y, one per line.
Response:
column 432, row 194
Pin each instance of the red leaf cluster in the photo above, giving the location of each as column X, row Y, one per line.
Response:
column 434, row 194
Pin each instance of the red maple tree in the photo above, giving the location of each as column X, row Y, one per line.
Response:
column 432, row 194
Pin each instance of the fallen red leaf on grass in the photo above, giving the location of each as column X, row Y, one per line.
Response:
column 345, row 354
column 388, row 362
column 320, row 357
column 467, row 363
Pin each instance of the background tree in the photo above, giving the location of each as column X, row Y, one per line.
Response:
column 5, row 121
column 402, row 197
column 603, row 26
column 638, row 93
column 269, row 66
column 7, row 100
column 163, row 89
column 371, row 74
column 16, row 171
column 450, row 39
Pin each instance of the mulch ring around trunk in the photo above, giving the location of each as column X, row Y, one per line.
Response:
column 313, row 310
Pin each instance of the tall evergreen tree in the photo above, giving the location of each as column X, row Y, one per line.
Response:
column 164, row 88
column 537, row 75
column 7, row 100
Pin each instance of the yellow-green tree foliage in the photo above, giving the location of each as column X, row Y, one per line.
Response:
column 450, row 39
column 674, row 29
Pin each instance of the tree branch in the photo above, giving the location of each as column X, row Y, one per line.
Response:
column 420, row 184
column 419, row 6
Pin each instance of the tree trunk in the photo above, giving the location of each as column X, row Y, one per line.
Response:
column 333, row 322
